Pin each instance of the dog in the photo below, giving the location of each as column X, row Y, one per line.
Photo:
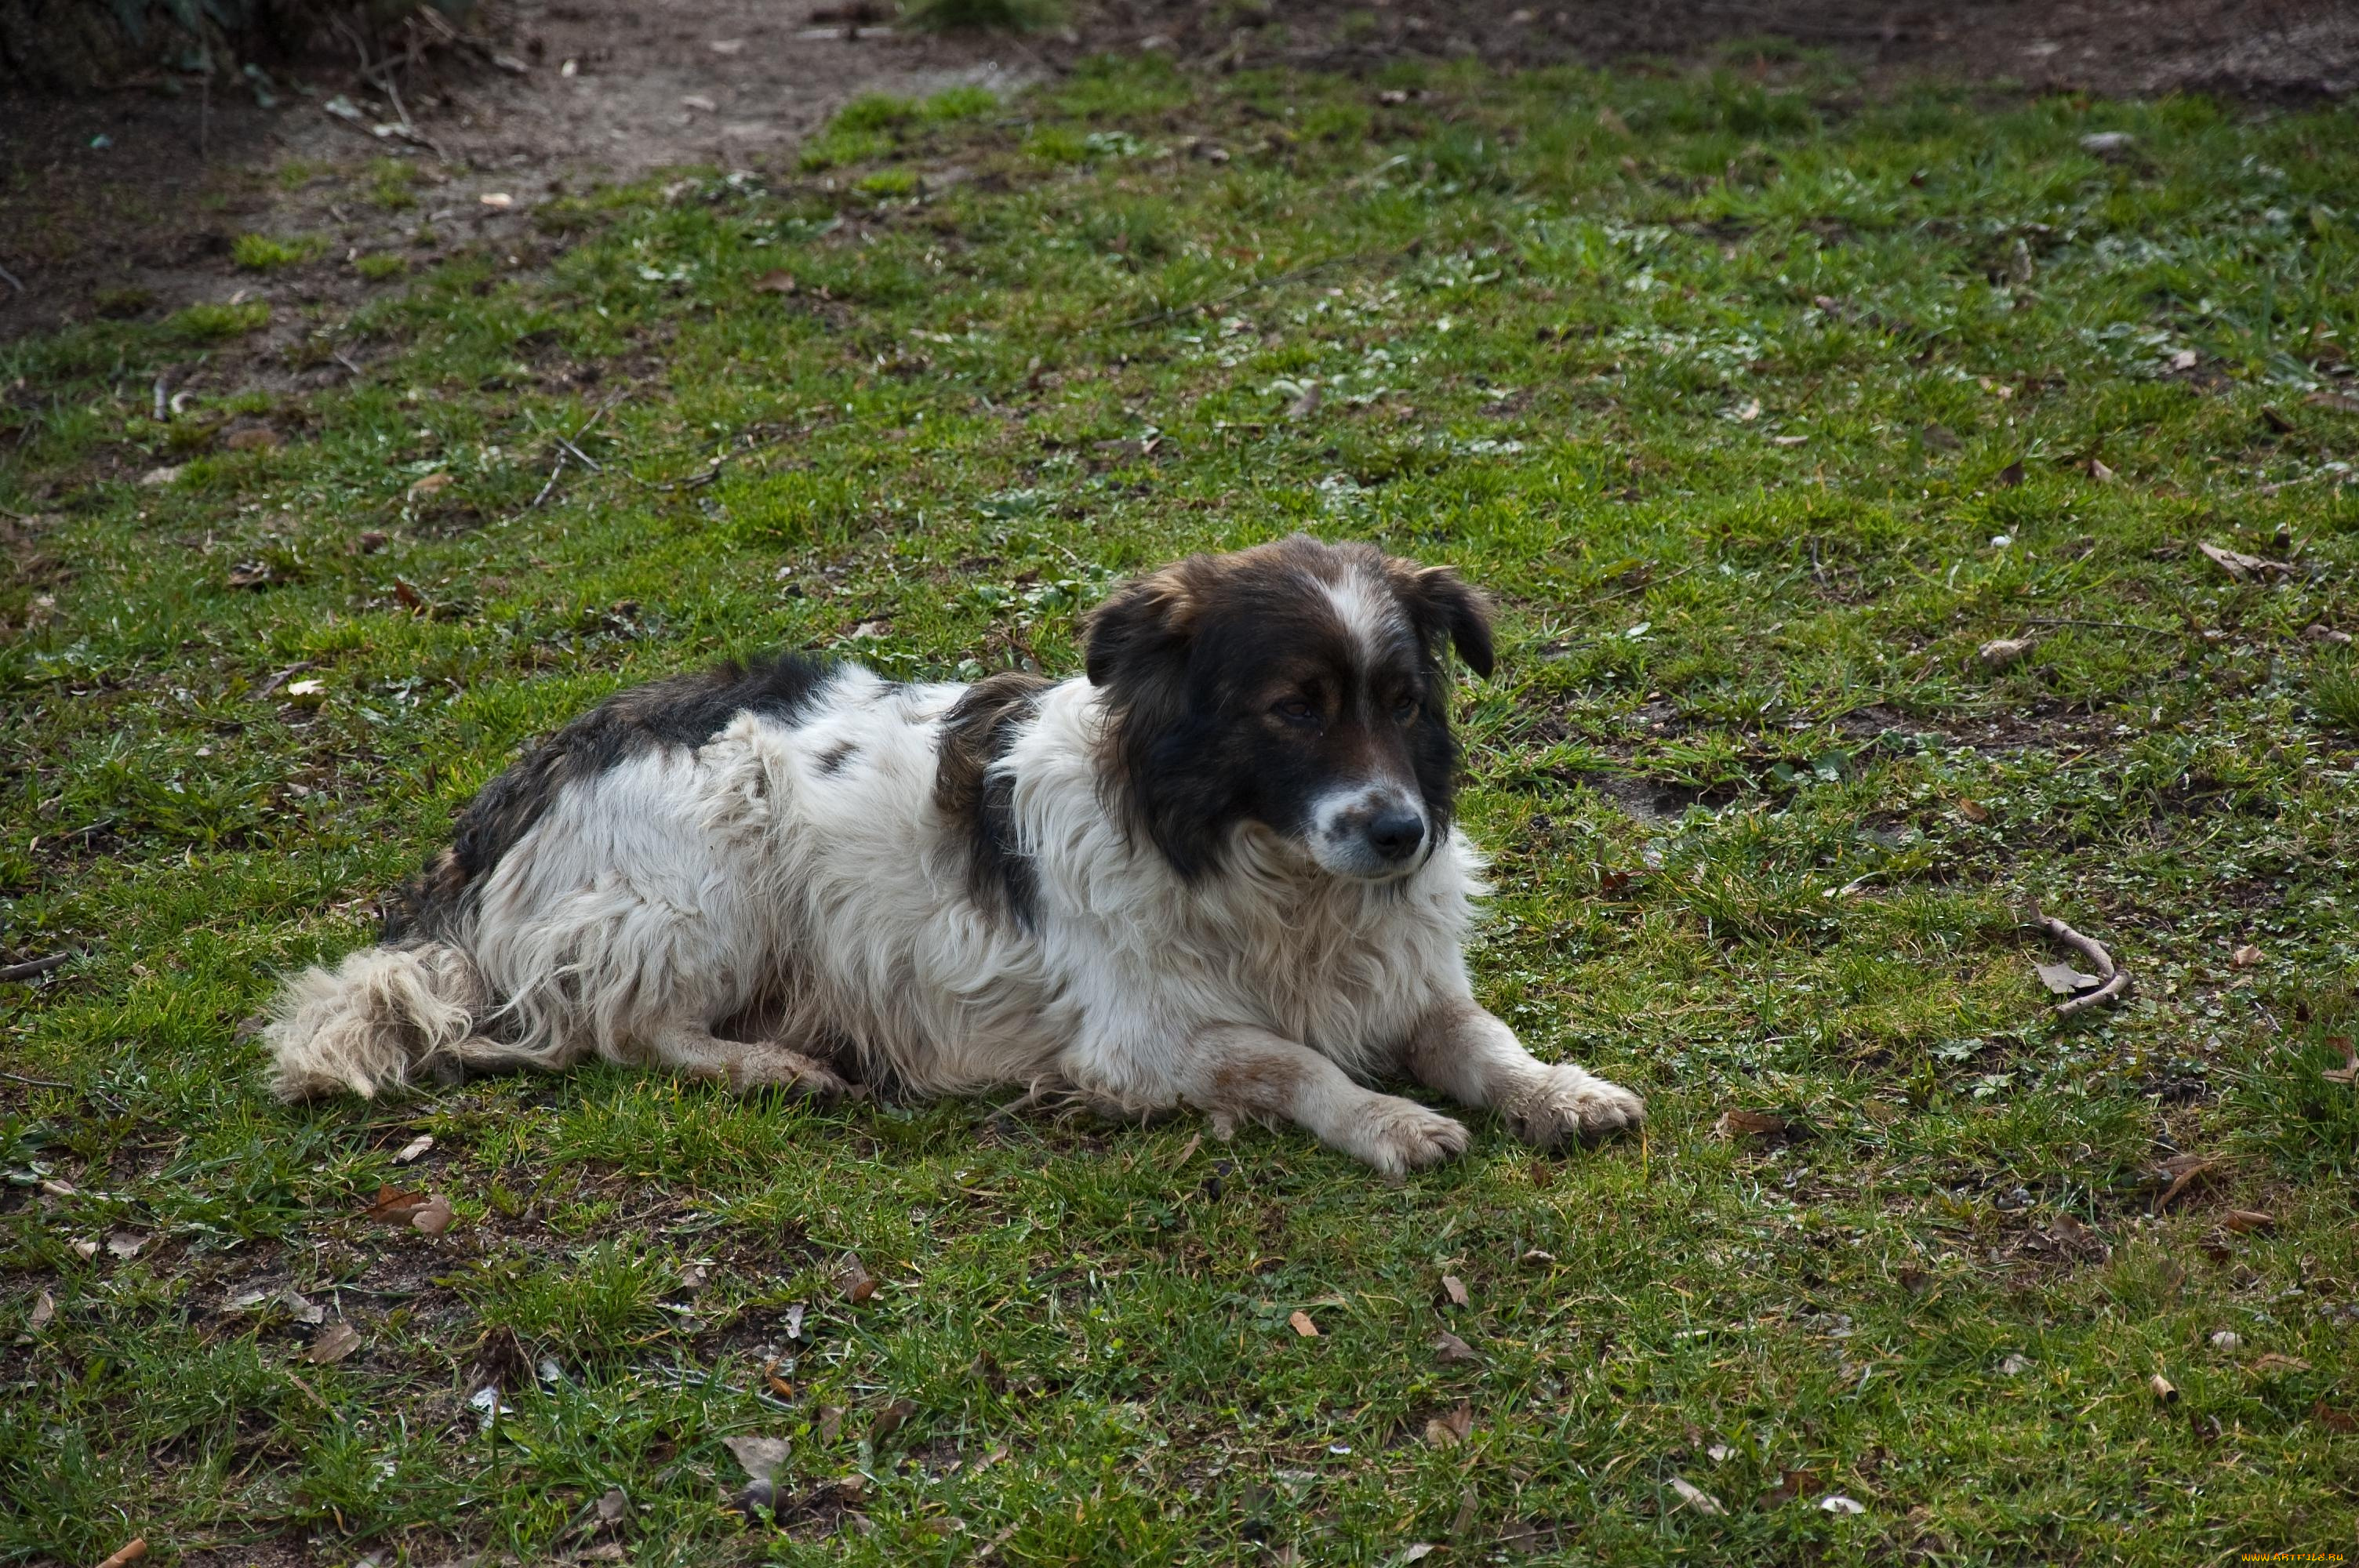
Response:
column 1218, row 870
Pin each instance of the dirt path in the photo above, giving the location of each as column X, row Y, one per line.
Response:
column 129, row 204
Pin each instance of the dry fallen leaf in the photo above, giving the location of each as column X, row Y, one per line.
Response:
column 414, row 1147
column 131, row 1550
column 776, row 283
column 2274, row 1365
column 2327, row 1416
column 2181, row 1171
column 1974, row 811
column 85, row 1249
column 1450, row 1429
column 1695, row 1497
column 2337, row 400
column 854, row 1280
column 44, row 1309
column 1448, row 1347
column 2249, row 1219
column 761, row 1456
column 335, row 1342
column 429, row 485
column 157, row 478
column 2099, row 472
column 2000, row 652
column 394, row 1206
column 2242, row 566
column 254, row 438
column 1836, row 1503
column 1416, row 1551
column 126, row 1244
column 249, row 574
column 2064, row 980
column 1748, row 411
column 433, row 1217
column 369, row 541
column 1748, row 1124
column 2011, row 475
column 831, row 1423
column 2246, row 956
column 1536, row 1258
column 1455, row 1289
column 1299, row 1321
column 2349, row 1072
column 499, row 201
column 891, row 1419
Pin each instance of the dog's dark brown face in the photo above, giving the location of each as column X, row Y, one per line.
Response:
column 1297, row 685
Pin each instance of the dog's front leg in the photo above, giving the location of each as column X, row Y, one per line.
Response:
column 1459, row 1048
column 1237, row 1072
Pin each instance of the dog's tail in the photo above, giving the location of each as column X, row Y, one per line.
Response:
column 376, row 1019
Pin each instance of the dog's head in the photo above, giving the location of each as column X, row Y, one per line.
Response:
column 1297, row 684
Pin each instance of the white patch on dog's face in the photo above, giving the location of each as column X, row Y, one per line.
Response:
column 1371, row 615
column 1373, row 831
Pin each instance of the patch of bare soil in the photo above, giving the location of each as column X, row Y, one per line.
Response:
column 129, row 203
column 2296, row 49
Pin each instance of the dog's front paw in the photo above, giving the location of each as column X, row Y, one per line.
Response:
column 1397, row 1136
column 1569, row 1105
column 774, row 1066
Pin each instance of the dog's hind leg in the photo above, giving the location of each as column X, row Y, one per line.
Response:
column 743, row 1067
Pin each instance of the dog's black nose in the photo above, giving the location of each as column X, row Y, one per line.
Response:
column 1396, row 835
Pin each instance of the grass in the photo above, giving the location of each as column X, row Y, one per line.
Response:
column 1761, row 401
column 262, row 253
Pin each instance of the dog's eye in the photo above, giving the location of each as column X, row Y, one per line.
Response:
column 1407, row 708
column 1295, row 710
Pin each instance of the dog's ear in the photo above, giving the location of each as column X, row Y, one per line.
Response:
column 1139, row 635
column 1441, row 605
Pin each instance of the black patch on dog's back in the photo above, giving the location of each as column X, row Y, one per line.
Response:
column 683, row 712
column 976, row 732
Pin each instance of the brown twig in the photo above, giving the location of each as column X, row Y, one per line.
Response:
column 31, row 1082
column 558, row 468
column 2102, row 626
column 27, row 970
column 2117, row 980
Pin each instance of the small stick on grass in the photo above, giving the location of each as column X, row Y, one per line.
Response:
column 132, row 1550
column 27, row 970
column 2117, row 980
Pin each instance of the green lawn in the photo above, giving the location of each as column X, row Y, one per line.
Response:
column 1761, row 401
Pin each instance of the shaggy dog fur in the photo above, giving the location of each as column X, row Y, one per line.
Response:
column 1219, row 871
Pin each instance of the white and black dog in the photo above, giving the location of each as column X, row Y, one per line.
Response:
column 1220, row 871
